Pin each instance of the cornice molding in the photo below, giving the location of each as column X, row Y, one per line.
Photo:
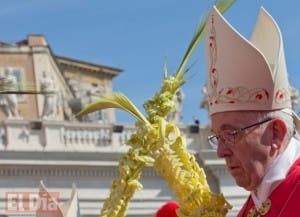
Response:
column 63, row 171
column 87, row 66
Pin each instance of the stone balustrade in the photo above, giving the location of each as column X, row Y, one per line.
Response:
column 36, row 135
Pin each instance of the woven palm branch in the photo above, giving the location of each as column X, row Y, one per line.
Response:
column 159, row 144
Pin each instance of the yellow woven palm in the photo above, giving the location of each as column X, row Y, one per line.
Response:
column 159, row 144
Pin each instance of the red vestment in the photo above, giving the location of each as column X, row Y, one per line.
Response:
column 285, row 198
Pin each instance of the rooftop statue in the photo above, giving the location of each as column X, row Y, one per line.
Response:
column 9, row 102
column 175, row 116
column 50, row 109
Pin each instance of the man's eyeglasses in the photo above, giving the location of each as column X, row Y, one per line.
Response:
column 228, row 137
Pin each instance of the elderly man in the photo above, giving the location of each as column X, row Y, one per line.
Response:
column 253, row 126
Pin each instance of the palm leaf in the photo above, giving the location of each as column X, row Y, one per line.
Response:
column 222, row 6
column 114, row 100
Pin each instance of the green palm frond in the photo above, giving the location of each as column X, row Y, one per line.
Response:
column 222, row 6
column 114, row 100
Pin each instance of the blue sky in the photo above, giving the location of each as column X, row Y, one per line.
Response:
column 136, row 35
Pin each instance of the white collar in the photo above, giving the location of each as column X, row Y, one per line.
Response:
column 276, row 172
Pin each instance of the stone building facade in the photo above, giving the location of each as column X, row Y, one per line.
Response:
column 45, row 142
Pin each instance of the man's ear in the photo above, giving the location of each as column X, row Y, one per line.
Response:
column 279, row 131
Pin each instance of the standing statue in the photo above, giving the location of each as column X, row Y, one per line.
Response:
column 204, row 102
column 9, row 102
column 50, row 109
column 176, row 115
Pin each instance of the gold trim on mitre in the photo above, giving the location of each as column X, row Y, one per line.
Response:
column 245, row 74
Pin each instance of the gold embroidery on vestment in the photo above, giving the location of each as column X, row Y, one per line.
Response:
column 263, row 210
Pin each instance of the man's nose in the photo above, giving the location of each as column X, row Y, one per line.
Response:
column 223, row 150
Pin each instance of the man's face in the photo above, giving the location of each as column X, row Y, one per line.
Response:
column 247, row 158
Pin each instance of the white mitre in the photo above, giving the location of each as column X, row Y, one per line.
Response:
column 245, row 75
column 242, row 74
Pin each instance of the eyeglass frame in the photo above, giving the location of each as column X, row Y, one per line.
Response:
column 233, row 133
